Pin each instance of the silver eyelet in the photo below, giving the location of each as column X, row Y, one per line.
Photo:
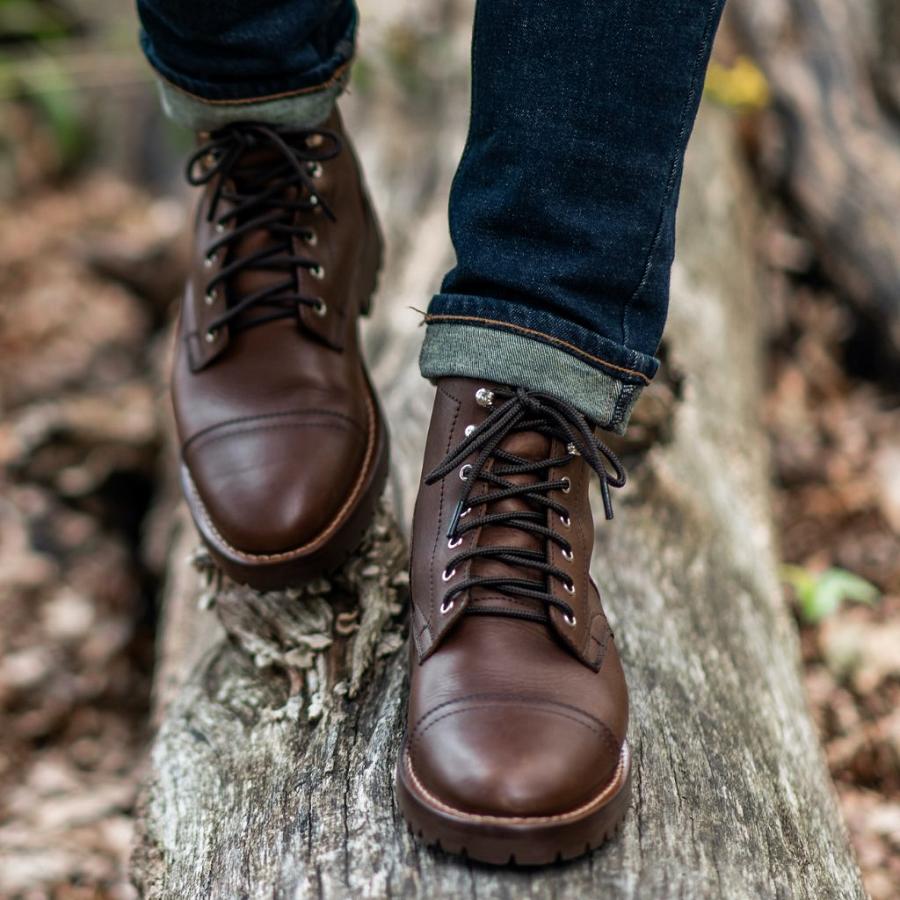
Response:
column 317, row 272
column 469, row 430
column 484, row 397
column 569, row 620
column 464, row 472
column 465, row 512
column 210, row 298
column 446, row 606
column 568, row 486
column 446, row 576
column 566, row 521
column 569, row 588
column 311, row 238
column 572, row 450
column 211, row 335
column 320, row 308
column 220, row 228
column 568, row 554
column 209, row 261
column 313, row 200
column 453, row 544
column 314, row 170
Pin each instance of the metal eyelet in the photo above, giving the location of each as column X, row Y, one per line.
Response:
column 469, row 430
column 484, row 397
column 317, row 272
column 446, row 576
column 568, row 554
column 569, row 587
column 320, row 307
column 313, row 200
column 566, row 521
column 446, row 606
column 465, row 512
column 314, row 170
column 569, row 620
column 311, row 238
column 572, row 450
column 464, row 472
column 220, row 228
column 211, row 335
column 209, row 261
column 453, row 544
column 210, row 298
column 568, row 486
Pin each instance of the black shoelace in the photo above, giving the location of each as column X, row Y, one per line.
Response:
column 521, row 411
column 263, row 199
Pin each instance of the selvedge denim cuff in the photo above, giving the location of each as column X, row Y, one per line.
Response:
column 307, row 106
column 454, row 348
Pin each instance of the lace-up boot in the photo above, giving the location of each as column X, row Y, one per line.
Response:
column 284, row 449
column 515, row 746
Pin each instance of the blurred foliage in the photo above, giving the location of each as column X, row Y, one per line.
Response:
column 740, row 85
column 38, row 98
column 820, row 595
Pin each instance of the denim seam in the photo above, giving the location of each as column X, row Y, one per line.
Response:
column 332, row 81
column 677, row 152
column 623, row 404
column 437, row 318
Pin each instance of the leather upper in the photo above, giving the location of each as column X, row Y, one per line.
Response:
column 275, row 420
column 507, row 716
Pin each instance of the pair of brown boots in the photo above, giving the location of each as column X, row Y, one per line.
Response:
column 515, row 745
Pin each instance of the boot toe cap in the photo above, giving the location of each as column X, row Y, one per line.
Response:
column 269, row 488
column 510, row 760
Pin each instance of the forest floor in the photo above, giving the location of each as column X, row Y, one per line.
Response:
column 88, row 270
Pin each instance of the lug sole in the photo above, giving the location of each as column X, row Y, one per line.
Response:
column 501, row 841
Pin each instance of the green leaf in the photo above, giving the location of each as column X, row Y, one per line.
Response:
column 819, row 596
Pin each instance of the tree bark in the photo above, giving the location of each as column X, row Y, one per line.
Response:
column 281, row 714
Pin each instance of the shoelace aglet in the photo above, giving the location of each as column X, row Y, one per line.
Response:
column 607, row 500
column 454, row 519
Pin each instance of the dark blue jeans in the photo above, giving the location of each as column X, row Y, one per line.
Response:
column 562, row 211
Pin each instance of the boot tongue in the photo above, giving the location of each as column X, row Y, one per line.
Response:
column 530, row 445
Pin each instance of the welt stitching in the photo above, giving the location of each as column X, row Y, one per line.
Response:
column 549, row 338
column 264, row 416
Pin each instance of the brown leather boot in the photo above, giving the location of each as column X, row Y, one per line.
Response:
column 515, row 746
column 283, row 444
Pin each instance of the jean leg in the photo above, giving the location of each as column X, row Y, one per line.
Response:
column 562, row 211
column 279, row 61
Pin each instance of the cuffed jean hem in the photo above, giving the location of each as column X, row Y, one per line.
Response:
column 306, row 107
column 458, row 349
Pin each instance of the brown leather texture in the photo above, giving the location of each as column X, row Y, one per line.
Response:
column 508, row 717
column 280, row 431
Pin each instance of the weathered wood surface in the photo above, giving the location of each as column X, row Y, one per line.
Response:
column 271, row 775
column 832, row 138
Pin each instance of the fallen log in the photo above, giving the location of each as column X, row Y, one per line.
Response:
column 281, row 714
